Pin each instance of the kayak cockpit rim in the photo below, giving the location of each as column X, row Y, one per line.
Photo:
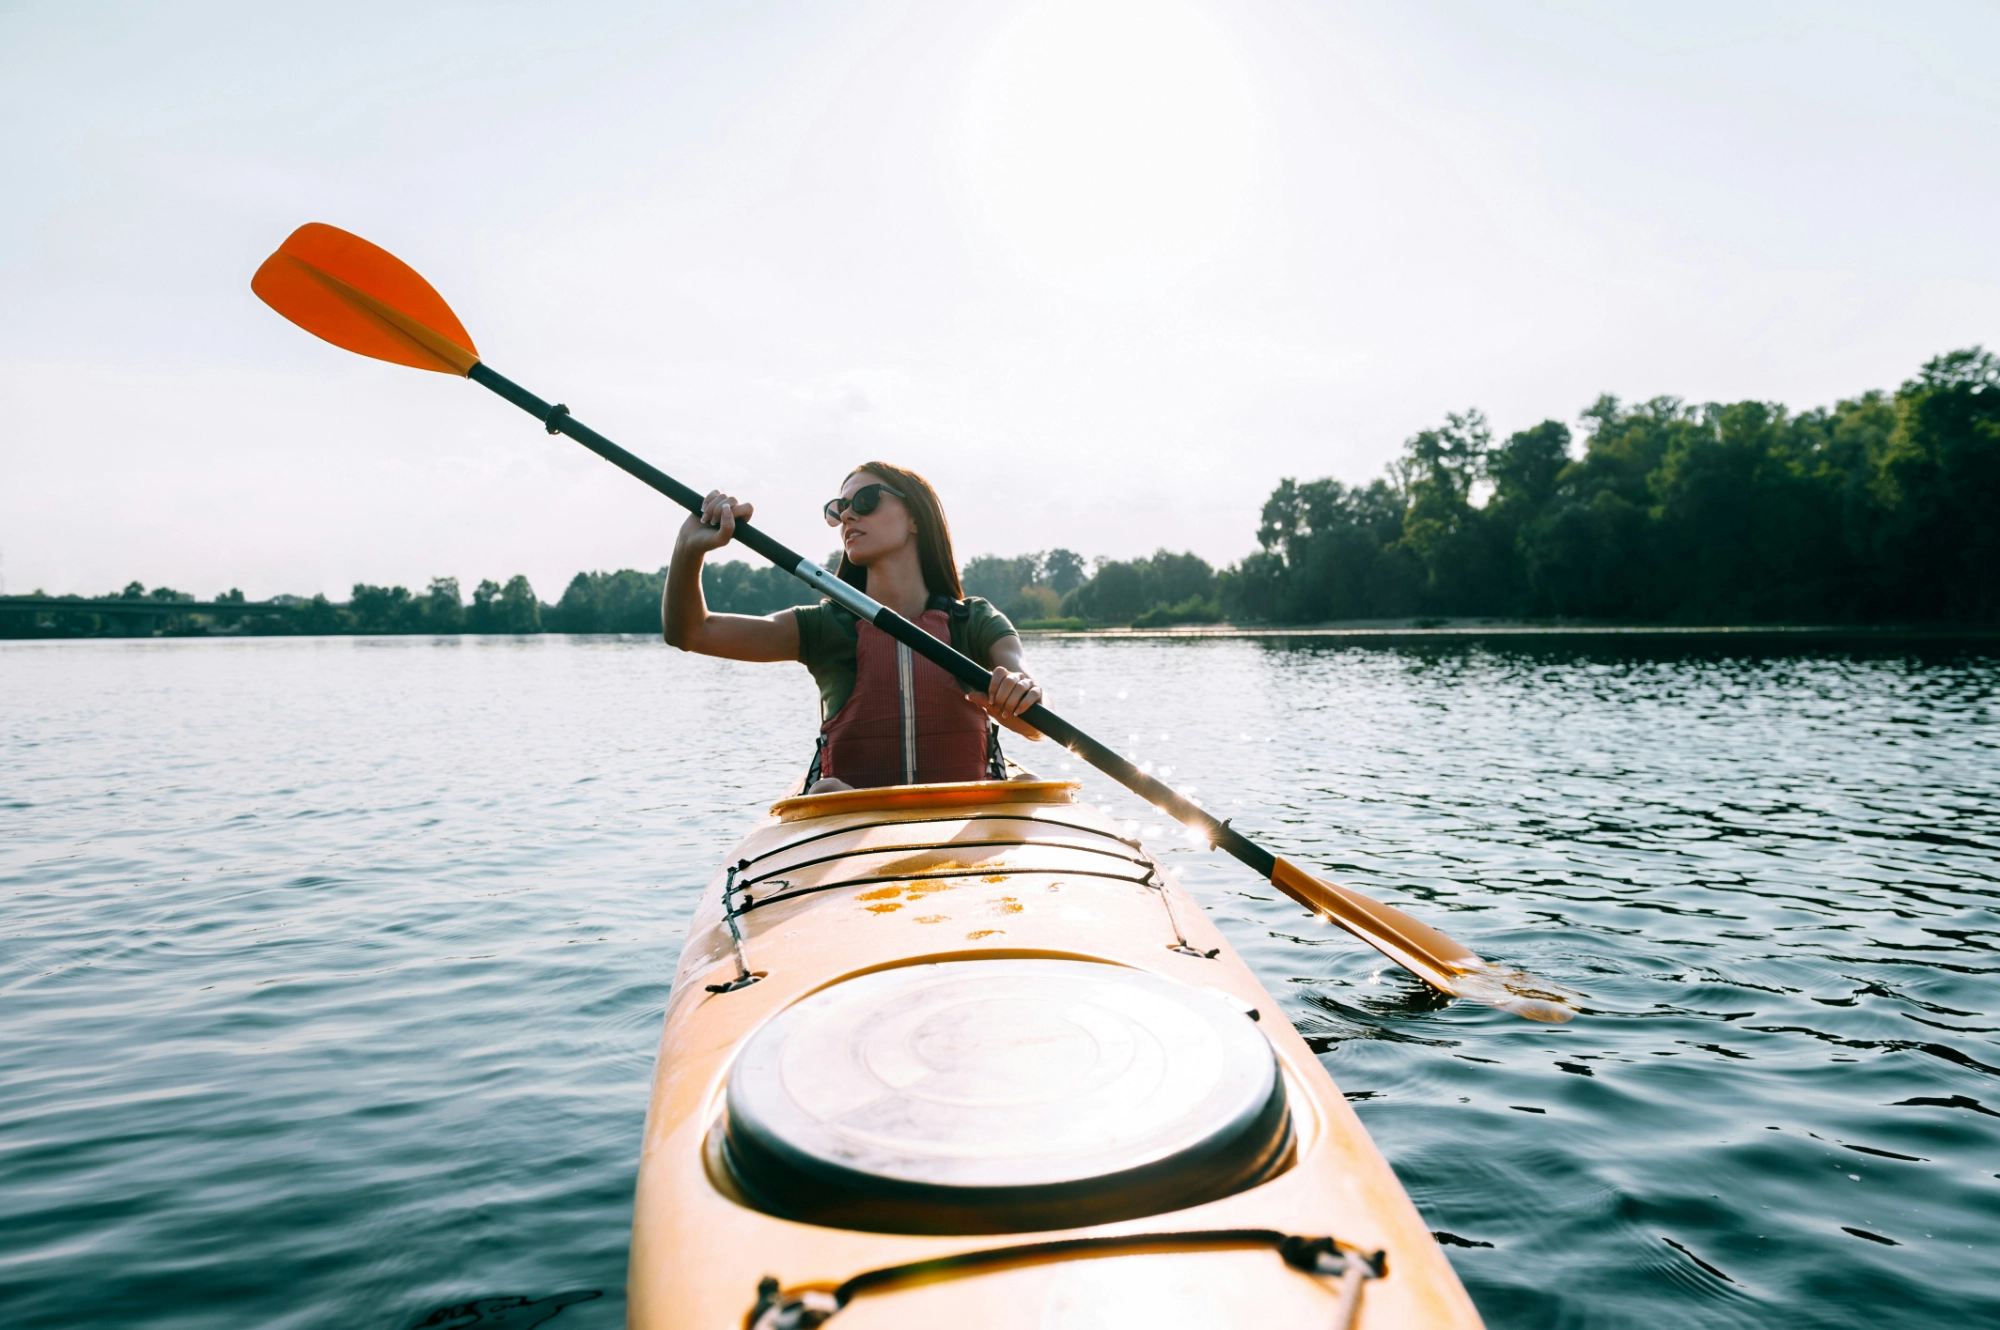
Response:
column 853, row 828
column 954, row 794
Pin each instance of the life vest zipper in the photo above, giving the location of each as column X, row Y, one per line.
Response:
column 906, row 688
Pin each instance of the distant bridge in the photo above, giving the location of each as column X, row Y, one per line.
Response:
column 140, row 605
column 126, row 615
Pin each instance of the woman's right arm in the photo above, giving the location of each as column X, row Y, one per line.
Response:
column 684, row 614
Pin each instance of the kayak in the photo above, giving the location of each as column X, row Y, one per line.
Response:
column 968, row 1056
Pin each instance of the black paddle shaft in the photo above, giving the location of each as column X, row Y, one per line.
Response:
column 557, row 420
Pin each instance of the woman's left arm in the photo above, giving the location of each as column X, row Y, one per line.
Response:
column 1012, row 690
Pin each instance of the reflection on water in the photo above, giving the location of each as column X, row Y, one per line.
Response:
column 334, row 968
column 514, row 1313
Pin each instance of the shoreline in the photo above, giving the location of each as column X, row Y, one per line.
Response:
column 142, row 621
column 1462, row 630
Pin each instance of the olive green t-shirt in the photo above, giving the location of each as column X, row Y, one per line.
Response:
column 827, row 636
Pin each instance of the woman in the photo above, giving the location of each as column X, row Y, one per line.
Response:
column 887, row 715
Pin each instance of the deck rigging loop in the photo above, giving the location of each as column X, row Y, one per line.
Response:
column 750, row 903
column 862, row 851
column 1323, row 1257
column 1180, row 944
column 1141, row 858
column 1130, row 842
column 744, row 978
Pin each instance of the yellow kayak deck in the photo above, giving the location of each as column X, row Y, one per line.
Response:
column 835, row 886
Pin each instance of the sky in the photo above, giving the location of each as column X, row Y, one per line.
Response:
column 1104, row 270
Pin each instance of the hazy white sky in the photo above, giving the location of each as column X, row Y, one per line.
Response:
column 1105, row 269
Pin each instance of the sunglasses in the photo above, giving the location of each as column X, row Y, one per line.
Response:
column 865, row 501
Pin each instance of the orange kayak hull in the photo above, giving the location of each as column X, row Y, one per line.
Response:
column 861, row 881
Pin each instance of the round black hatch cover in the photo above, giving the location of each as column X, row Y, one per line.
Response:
column 1002, row 1096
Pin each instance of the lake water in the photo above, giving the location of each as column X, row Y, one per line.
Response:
column 331, row 970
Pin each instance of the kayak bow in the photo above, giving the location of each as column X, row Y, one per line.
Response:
column 965, row 1055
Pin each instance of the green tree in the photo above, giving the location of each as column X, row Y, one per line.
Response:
column 739, row 587
column 1063, row 571
column 1747, row 518
column 1181, row 586
column 1449, row 546
column 1856, row 437
column 1938, row 486
column 484, row 615
column 378, row 609
column 627, row 601
column 442, row 609
column 1579, row 556
column 1330, row 551
column 1525, row 472
column 1115, row 593
column 996, row 579
column 1526, row 469
column 1017, row 587
column 1591, row 552
column 517, row 609
column 319, row 617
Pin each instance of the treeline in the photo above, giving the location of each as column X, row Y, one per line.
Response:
column 1054, row 590
column 627, row 601
column 1882, row 508
column 496, row 608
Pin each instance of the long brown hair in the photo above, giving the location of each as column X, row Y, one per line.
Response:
column 934, row 554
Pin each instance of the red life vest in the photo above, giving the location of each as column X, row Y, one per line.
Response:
column 907, row 722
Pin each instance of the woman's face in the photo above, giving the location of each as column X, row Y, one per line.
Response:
column 887, row 529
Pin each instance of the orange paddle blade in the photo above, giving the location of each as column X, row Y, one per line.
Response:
column 1423, row 951
column 361, row 297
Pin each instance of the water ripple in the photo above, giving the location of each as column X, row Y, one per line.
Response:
column 334, row 968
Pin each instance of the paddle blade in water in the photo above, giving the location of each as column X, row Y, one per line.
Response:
column 363, row 298
column 1423, row 951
